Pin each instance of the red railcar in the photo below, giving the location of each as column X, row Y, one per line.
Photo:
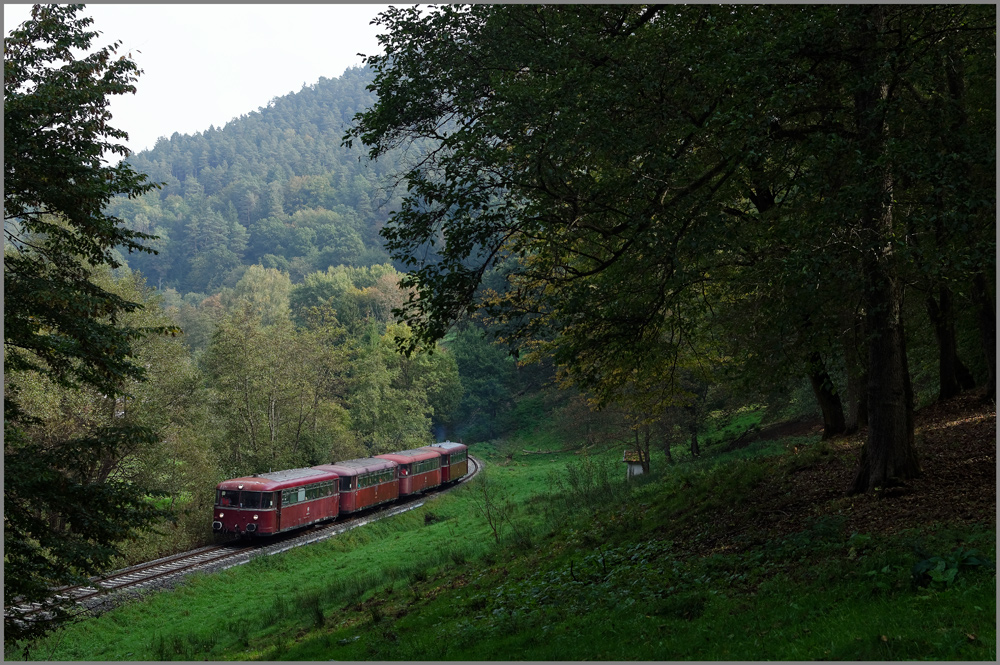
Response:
column 419, row 469
column 364, row 482
column 269, row 503
column 454, row 460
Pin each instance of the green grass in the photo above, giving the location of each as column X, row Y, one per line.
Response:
column 601, row 579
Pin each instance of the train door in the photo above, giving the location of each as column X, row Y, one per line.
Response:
column 277, row 511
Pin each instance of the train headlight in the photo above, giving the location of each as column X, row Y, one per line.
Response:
column 221, row 515
column 255, row 517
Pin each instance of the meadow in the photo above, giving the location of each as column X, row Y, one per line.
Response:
column 552, row 555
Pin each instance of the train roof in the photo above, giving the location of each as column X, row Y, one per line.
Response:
column 448, row 446
column 266, row 482
column 416, row 455
column 354, row 467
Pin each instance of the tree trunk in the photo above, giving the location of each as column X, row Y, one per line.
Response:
column 826, row 396
column 986, row 318
column 857, row 379
column 694, row 411
column 889, row 454
column 985, row 311
column 953, row 375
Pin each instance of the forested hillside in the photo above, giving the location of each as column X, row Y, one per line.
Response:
column 273, row 209
column 273, row 187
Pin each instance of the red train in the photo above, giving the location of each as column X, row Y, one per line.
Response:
column 269, row 503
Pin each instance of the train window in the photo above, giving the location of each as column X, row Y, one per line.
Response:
column 345, row 483
column 267, row 500
column 250, row 500
column 302, row 494
column 426, row 465
column 228, row 498
column 404, row 470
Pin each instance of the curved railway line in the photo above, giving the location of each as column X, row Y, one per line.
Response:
column 167, row 571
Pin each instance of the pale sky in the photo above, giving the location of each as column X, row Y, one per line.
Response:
column 207, row 64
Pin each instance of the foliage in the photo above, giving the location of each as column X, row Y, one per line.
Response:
column 494, row 503
column 591, row 482
column 488, row 380
column 392, row 398
column 274, row 388
column 56, row 321
column 272, row 187
column 629, row 169
column 942, row 570
column 63, row 518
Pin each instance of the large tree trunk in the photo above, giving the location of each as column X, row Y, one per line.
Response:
column 889, row 454
column 826, row 396
column 856, row 416
column 695, row 449
column 986, row 318
column 985, row 311
column 953, row 375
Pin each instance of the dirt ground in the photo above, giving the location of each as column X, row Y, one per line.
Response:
column 956, row 444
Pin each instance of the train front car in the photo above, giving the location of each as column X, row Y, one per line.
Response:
column 454, row 460
column 269, row 503
column 364, row 483
column 419, row 469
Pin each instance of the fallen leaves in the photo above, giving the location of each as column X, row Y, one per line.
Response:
column 956, row 442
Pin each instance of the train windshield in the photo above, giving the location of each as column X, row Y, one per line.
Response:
column 238, row 499
column 227, row 498
column 250, row 499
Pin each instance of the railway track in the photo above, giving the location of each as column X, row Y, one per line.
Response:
column 167, row 571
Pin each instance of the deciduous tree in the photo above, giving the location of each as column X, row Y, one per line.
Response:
column 61, row 524
column 598, row 153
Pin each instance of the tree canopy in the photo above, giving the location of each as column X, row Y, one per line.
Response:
column 631, row 169
column 62, row 517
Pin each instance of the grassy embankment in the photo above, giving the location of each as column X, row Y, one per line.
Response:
column 720, row 558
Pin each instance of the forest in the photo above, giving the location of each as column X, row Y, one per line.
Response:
column 627, row 223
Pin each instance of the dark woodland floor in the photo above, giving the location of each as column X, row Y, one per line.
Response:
column 956, row 443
